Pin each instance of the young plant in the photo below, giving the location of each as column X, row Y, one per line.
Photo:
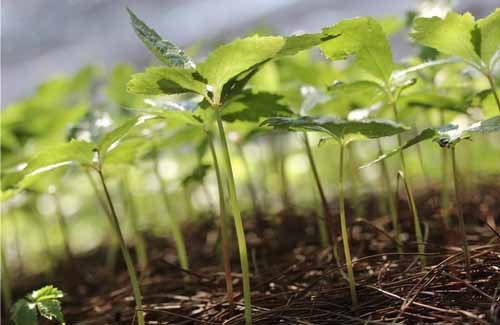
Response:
column 219, row 80
column 92, row 157
column 475, row 42
column 44, row 302
column 343, row 132
column 364, row 37
column 448, row 137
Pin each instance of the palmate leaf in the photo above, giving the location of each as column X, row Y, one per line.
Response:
column 452, row 35
column 446, row 137
column 164, row 50
column 166, row 80
column 229, row 60
column 364, row 38
column 342, row 131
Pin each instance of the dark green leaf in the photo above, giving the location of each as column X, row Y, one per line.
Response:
column 341, row 130
column 166, row 80
column 165, row 51
column 24, row 313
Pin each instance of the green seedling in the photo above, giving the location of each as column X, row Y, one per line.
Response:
column 364, row 38
column 94, row 157
column 448, row 137
column 218, row 80
column 343, row 132
column 44, row 302
column 476, row 42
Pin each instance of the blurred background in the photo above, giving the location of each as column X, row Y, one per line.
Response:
column 41, row 39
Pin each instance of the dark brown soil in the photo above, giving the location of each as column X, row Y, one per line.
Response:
column 295, row 281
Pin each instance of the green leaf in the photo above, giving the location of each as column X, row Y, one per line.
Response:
column 240, row 55
column 430, row 100
column 75, row 151
column 451, row 35
column 175, row 113
column 489, row 28
column 46, row 293
column 486, row 126
column 197, row 175
column 166, row 80
column 117, row 86
column 250, row 106
column 110, row 139
column 51, row 309
column 164, row 50
column 297, row 43
column 357, row 89
column 24, row 313
column 364, row 38
column 426, row 134
column 342, row 131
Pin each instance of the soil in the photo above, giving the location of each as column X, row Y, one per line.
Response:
column 296, row 281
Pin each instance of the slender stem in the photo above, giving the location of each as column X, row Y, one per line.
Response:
column 445, row 193
column 416, row 222
column 327, row 218
column 493, row 89
column 460, row 212
column 223, row 225
column 113, row 243
column 126, row 255
column 354, row 179
column 140, row 245
column 391, row 200
column 345, row 233
column 5, row 276
column 411, row 199
column 176, row 231
column 238, row 223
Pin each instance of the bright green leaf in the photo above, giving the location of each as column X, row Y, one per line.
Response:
column 451, row 35
column 489, row 28
column 229, row 60
column 364, row 38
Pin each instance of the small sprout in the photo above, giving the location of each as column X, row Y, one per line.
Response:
column 44, row 302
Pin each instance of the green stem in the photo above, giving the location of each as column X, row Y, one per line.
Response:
column 223, row 225
column 6, row 289
column 126, row 255
column 176, row 231
column 354, row 178
column 445, row 193
column 250, row 185
column 391, row 200
column 411, row 199
column 238, row 223
column 113, row 243
column 493, row 89
column 140, row 244
column 327, row 218
column 416, row 222
column 460, row 212
column 345, row 233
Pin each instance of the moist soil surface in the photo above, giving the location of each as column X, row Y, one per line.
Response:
column 297, row 281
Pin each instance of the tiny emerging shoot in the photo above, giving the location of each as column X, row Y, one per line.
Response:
column 44, row 302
